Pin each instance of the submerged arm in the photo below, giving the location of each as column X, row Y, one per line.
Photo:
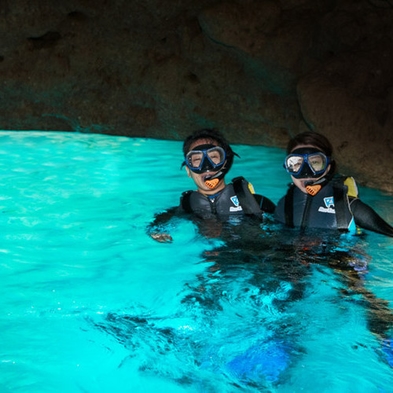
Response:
column 265, row 204
column 367, row 218
column 158, row 228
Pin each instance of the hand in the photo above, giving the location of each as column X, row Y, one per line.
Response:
column 162, row 237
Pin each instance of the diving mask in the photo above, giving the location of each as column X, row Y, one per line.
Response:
column 205, row 158
column 306, row 163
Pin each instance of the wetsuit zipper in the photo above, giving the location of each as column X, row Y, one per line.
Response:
column 212, row 205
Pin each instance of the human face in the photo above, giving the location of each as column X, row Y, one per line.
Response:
column 201, row 176
column 311, row 167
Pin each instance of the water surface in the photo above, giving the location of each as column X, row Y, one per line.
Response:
column 91, row 304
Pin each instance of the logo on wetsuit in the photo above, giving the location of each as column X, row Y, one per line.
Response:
column 329, row 206
column 235, row 201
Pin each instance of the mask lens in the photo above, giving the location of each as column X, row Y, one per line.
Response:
column 306, row 165
column 294, row 163
column 203, row 160
column 216, row 155
column 194, row 159
column 317, row 162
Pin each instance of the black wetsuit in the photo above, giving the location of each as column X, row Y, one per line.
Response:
column 331, row 208
column 235, row 200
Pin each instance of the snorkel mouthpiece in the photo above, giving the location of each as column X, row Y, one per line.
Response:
column 313, row 187
column 212, row 181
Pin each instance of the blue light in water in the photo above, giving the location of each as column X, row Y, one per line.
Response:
column 91, row 303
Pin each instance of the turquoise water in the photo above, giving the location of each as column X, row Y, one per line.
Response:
column 91, row 304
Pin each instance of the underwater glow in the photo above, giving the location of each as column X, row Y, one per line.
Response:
column 92, row 304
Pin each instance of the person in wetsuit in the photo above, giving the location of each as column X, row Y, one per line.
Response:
column 320, row 198
column 207, row 159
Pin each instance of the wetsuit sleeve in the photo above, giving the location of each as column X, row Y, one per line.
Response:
column 367, row 218
column 265, row 204
column 158, row 229
column 163, row 217
column 279, row 213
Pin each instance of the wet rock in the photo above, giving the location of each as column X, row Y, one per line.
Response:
column 260, row 71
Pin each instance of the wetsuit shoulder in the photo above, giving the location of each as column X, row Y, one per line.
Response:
column 193, row 202
column 252, row 203
column 352, row 188
column 365, row 216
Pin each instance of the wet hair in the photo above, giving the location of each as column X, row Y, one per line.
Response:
column 213, row 136
column 315, row 139
column 311, row 138
column 209, row 134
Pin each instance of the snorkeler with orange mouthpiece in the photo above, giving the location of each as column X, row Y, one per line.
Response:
column 207, row 159
column 320, row 198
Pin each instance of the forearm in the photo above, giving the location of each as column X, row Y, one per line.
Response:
column 265, row 204
column 367, row 218
column 159, row 228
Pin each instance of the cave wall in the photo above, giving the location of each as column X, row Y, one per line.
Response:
column 258, row 70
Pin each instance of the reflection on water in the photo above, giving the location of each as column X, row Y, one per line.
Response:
column 96, row 305
column 236, row 320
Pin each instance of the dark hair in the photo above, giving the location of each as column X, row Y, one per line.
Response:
column 209, row 134
column 311, row 138
column 213, row 136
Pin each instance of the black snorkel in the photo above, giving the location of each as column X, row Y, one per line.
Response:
column 212, row 181
column 314, row 186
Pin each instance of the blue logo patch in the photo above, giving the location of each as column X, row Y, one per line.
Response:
column 329, row 201
column 234, row 200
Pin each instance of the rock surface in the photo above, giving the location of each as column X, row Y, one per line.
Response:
column 258, row 70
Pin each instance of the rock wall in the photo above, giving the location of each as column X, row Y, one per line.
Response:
column 258, row 70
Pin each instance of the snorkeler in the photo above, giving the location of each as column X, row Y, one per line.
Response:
column 207, row 159
column 320, row 198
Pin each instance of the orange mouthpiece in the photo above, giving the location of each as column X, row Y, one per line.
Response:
column 212, row 183
column 313, row 190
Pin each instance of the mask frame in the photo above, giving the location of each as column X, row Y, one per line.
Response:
column 306, row 169
column 206, row 164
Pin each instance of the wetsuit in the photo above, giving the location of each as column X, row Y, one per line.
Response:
column 236, row 199
column 335, row 206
